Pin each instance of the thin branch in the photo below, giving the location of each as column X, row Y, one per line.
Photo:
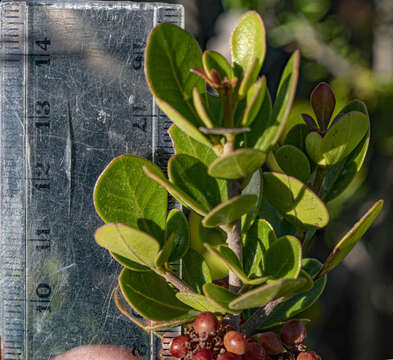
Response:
column 175, row 280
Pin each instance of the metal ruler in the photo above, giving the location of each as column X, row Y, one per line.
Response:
column 72, row 97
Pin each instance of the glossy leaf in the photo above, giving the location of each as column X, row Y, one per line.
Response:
column 346, row 244
column 190, row 175
column 282, row 104
column 177, row 224
column 257, row 297
column 195, row 270
column 314, row 148
column 248, row 79
column 129, row 264
column 255, row 243
column 229, row 258
column 170, row 54
column 297, row 136
column 293, row 162
column 163, row 255
column 354, row 105
column 151, row 296
column 230, row 210
column 185, row 144
column 201, row 110
column 297, row 203
column 283, row 259
column 199, row 302
column 255, row 95
column 220, row 296
column 175, row 191
column 163, row 325
column 255, row 186
column 182, row 122
column 248, row 43
column 323, row 103
column 128, row 242
column 124, row 194
column 214, row 60
column 300, row 302
column 239, row 164
column 342, row 174
column 343, row 137
column 291, row 287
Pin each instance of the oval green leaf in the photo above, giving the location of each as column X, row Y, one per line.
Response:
column 300, row 302
column 346, row 244
column 124, row 194
column 293, row 162
column 214, row 60
column 163, row 255
column 163, row 325
column 297, row 136
column 283, row 259
column 220, row 296
column 313, row 146
column 128, row 242
column 200, row 108
column 191, row 176
column 170, row 54
column 230, row 210
column 343, row 137
column 255, row 96
column 129, row 264
column 175, row 191
column 297, row 203
column 239, row 164
column 248, row 43
column 151, row 296
column 177, row 224
column 199, row 302
column 195, row 270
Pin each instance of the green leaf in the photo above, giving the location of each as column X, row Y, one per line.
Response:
column 239, row 164
column 195, row 270
column 293, row 162
column 163, row 255
column 128, row 242
column 342, row 174
column 354, row 105
column 255, row 243
column 300, row 302
column 124, row 194
column 343, row 137
column 291, row 287
column 248, row 43
column 297, row 203
column 185, row 144
column 182, row 122
column 229, row 258
column 257, row 297
column 314, row 148
column 220, row 296
column 151, row 296
column 255, row 186
column 283, row 258
column 199, row 302
column 214, row 60
column 200, row 108
column 282, row 105
column 175, row 191
column 349, row 240
column 255, row 96
column 129, row 264
column 230, row 210
column 164, row 325
column 190, row 175
column 248, row 79
column 177, row 224
column 297, row 136
column 256, row 137
column 170, row 54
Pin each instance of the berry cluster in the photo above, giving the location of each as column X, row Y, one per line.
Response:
column 209, row 339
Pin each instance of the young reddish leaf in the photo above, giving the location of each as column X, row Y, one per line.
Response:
column 323, row 103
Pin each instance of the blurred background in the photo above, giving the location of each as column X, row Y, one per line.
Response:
column 348, row 43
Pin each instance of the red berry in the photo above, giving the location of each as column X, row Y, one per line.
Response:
column 228, row 356
column 308, row 356
column 250, row 339
column 179, row 346
column 203, row 354
column 293, row 332
column 235, row 342
column 254, row 351
column 271, row 342
column 206, row 322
